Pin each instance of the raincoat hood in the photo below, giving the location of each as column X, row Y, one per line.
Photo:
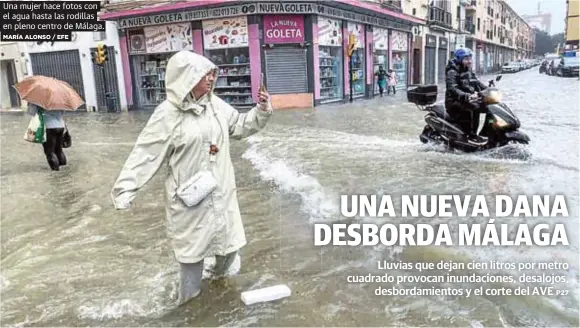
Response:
column 184, row 70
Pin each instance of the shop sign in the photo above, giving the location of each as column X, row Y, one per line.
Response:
column 258, row 8
column 225, row 33
column 283, row 29
column 443, row 43
column 329, row 32
column 168, row 38
column 358, row 31
column 184, row 16
column 399, row 41
column 381, row 39
column 286, row 8
column 356, row 17
column 431, row 41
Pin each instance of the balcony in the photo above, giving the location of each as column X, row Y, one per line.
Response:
column 465, row 2
column 466, row 26
column 472, row 6
column 440, row 17
column 394, row 5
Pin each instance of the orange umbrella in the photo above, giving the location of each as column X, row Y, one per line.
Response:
column 49, row 93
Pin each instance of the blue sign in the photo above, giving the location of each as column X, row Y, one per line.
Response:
column 569, row 54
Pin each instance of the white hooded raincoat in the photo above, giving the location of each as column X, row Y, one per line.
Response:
column 181, row 130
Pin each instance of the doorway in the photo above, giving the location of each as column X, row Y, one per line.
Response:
column 9, row 79
column 416, row 66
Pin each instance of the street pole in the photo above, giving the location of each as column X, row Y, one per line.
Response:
column 350, row 79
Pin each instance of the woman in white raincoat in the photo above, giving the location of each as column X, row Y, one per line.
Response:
column 192, row 130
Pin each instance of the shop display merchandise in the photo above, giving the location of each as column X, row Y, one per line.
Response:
column 150, row 78
column 330, row 68
column 234, row 79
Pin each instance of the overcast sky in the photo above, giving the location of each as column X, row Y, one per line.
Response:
column 530, row 7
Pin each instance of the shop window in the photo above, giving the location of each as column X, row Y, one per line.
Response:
column 330, row 63
column 234, row 80
column 150, row 78
column 330, row 60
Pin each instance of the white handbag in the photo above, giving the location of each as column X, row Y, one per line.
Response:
column 197, row 188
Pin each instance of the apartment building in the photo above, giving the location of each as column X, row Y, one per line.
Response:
column 572, row 25
column 491, row 28
column 497, row 34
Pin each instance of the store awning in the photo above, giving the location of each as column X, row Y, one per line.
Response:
column 115, row 10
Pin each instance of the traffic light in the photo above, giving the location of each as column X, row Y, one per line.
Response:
column 351, row 44
column 102, row 54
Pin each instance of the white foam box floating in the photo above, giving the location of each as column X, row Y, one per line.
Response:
column 267, row 294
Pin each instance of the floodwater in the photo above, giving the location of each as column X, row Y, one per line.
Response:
column 69, row 259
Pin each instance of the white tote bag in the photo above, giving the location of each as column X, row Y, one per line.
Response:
column 36, row 131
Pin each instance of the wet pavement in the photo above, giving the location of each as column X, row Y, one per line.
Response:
column 69, row 259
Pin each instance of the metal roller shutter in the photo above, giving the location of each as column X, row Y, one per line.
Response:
column 442, row 59
column 430, row 54
column 62, row 65
column 286, row 70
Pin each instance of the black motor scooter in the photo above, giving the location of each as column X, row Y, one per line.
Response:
column 499, row 129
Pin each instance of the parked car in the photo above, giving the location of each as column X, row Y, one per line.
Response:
column 568, row 66
column 511, row 67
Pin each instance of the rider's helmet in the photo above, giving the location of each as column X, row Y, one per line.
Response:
column 462, row 53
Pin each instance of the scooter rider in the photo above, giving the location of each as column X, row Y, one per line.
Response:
column 461, row 91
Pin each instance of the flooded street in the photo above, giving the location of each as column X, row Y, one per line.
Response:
column 69, row 259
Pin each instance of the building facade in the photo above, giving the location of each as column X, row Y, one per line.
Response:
column 572, row 25
column 300, row 47
column 13, row 68
column 491, row 28
column 70, row 62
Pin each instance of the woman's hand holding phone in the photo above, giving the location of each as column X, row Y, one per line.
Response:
column 264, row 96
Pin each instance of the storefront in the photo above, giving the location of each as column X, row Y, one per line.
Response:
column 399, row 57
column 299, row 46
column 358, row 60
column 149, row 48
column 330, row 60
column 380, row 54
column 226, row 43
column 285, row 55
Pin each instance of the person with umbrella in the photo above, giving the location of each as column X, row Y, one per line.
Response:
column 49, row 98
column 54, row 124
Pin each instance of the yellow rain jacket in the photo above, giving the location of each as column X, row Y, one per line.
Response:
column 180, row 131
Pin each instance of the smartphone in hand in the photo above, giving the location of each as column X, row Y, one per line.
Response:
column 262, row 85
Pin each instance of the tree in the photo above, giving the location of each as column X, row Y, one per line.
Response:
column 557, row 39
column 544, row 43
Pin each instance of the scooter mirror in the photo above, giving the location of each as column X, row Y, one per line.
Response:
column 498, row 78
